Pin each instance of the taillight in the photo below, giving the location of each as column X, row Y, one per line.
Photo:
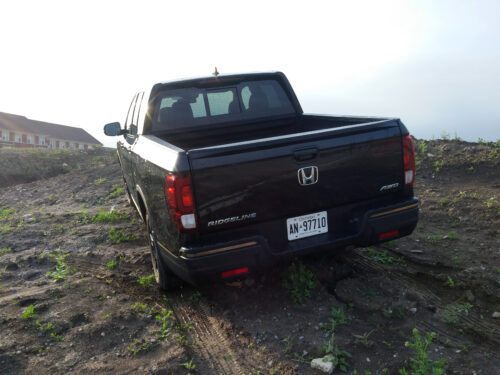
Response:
column 180, row 202
column 409, row 160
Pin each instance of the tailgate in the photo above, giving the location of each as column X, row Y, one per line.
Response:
column 273, row 178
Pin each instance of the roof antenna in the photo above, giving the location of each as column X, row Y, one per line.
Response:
column 215, row 73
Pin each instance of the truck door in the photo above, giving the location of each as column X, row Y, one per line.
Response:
column 124, row 149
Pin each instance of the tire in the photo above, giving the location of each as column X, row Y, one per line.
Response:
column 165, row 278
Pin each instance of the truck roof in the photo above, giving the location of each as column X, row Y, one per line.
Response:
column 210, row 80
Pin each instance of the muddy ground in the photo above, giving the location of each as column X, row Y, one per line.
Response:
column 75, row 293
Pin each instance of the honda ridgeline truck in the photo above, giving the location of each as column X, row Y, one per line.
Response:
column 229, row 176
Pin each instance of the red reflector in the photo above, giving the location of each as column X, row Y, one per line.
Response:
column 388, row 234
column 237, row 271
column 187, row 197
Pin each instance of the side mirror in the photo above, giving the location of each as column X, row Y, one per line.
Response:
column 113, row 129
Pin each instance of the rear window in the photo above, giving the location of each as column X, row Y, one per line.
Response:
column 193, row 107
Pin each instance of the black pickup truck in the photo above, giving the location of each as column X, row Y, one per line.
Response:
column 229, row 175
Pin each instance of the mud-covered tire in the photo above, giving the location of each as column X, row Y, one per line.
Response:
column 165, row 278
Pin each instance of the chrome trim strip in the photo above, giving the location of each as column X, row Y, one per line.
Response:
column 220, row 250
column 394, row 210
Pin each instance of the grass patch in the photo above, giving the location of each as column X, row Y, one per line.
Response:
column 298, row 281
column 100, row 181
column 5, row 250
column 452, row 313
column 112, row 264
column 116, row 236
column 7, row 213
column 146, row 281
column 111, row 216
column 382, row 257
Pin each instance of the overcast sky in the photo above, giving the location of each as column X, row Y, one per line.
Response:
column 434, row 64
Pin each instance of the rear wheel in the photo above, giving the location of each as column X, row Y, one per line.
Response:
column 165, row 278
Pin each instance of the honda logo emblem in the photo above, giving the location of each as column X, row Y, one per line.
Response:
column 308, row 175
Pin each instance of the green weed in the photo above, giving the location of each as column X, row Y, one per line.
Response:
column 5, row 250
column 112, row 264
column 444, row 202
column 421, row 364
column 298, row 281
column 140, row 346
column 382, row 257
column 337, row 318
column 142, row 308
column 452, row 313
column 438, row 165
column 422, row 148
column 490, row 202
column 6, row 228
column 451, row 235
column 116, row 237
column 111, row 216
column 61, row 268
column 434, row 238
column 189, row 365
column 146, row 281
column 338, row 357
column 164, row 318
column 44, row 327
column 100, row 181
column 59, row 228
column 7, row 213
column 116, row 191
column 29, row 313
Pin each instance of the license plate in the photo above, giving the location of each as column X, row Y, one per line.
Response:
column 307, row 225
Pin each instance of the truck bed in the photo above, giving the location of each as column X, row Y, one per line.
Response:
column 247, row 132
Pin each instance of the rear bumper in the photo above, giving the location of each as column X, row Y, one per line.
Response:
column 256, row 252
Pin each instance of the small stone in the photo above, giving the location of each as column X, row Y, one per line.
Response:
column 103, row 334
column 18, row 352
column 496, row 315
column 324, row 364
column 301, row 337
column 412, row 310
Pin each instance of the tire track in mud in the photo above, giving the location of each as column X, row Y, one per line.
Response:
column 208, row 338
column 209, row 342
column 487, row 334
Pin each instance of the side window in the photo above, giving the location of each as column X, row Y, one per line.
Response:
column 130, row 112
column 137, row 113
column 220, row 100
column 245, row 96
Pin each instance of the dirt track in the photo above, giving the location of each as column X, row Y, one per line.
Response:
column 444, row 278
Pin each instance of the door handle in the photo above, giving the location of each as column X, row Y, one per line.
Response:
column 306, row 154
